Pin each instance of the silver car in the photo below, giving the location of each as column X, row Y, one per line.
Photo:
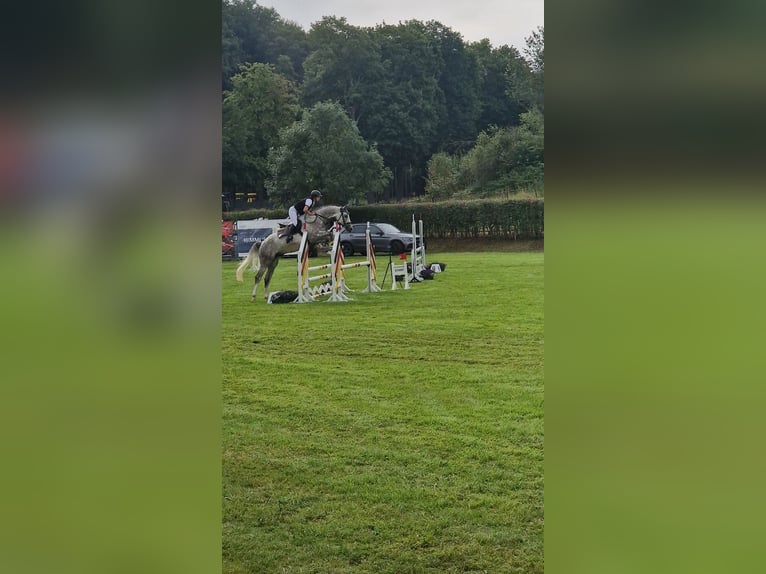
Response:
column 385, row 239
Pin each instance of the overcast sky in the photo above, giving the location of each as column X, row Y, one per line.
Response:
column 502, row 21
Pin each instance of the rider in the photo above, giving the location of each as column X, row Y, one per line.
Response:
column 298, row 212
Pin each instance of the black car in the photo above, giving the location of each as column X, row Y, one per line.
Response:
column 385, row 238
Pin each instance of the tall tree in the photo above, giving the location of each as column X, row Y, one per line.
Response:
column 443, row 176
column 507, row 158
column 499, row 105
column 535, row 53
column 387, row 79
column 325, row 151
column 260, row 103
column 345, row 66
column 459, row 82
column 535, row 50
column 253, row 33
column 406, row 125
column 231, row 49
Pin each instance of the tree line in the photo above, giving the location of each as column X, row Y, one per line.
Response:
column 375, row 114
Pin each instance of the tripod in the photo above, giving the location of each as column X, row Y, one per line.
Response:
column 387, row 269
column 403, row 278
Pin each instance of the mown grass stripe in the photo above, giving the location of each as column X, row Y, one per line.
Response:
column 400, row 432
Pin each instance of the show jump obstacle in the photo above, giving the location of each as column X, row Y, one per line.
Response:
column 336, row 268
column 418, row 253
column 400, row 271
column 336, row 274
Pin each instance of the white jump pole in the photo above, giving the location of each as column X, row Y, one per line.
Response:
column 336, row 259
column 369, row 262
column 422, row 243
column 337, row 265
column 418, row 253
column 304, row 295
column 307, row 293
column 414, row 275
column 400, row 269
column 372, row 265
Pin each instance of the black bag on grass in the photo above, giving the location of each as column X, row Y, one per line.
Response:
column 282, row 297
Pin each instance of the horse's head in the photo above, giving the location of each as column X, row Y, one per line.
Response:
column 328, row 216
column 345, row 218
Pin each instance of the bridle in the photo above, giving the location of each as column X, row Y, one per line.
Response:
column 335, row 218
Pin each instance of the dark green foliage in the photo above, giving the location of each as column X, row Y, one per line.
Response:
column 535, row 52
column 271, row 213
column 499, row 69
column 345, row 66
column 413, row 90
column 324, row 151
column 504, row 160
column 460, row 84
column 524, row 78
column 253, row 33
column 490, row 218
column 407, row 124
column 443, row 176
column 486, row 218
column 260, row 103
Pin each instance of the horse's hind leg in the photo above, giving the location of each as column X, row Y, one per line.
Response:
column 267, row 280
column 257, row 280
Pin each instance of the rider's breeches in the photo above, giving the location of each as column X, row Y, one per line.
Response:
column 293, row 215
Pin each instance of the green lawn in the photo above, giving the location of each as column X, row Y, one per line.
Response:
column 400, row 432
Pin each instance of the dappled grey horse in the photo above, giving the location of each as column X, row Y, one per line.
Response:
column 264, row 255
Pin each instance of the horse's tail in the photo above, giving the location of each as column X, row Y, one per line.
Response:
column 250, row 259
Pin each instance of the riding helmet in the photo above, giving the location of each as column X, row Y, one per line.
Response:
column 316, row 194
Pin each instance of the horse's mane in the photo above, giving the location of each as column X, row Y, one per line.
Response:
column 327, row 210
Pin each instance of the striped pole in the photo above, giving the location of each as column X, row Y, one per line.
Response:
column 304, row 295
column 418, row 263
column 372, row 266
column 337, row 270
column 422, row 243
column 414, row 249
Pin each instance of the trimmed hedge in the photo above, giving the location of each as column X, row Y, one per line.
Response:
column 484, row 218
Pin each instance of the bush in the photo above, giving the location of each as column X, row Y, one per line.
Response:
column 517, row 218
column 504, row 160
column 443, row 172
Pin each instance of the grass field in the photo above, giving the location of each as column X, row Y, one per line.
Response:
column 400, row 432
